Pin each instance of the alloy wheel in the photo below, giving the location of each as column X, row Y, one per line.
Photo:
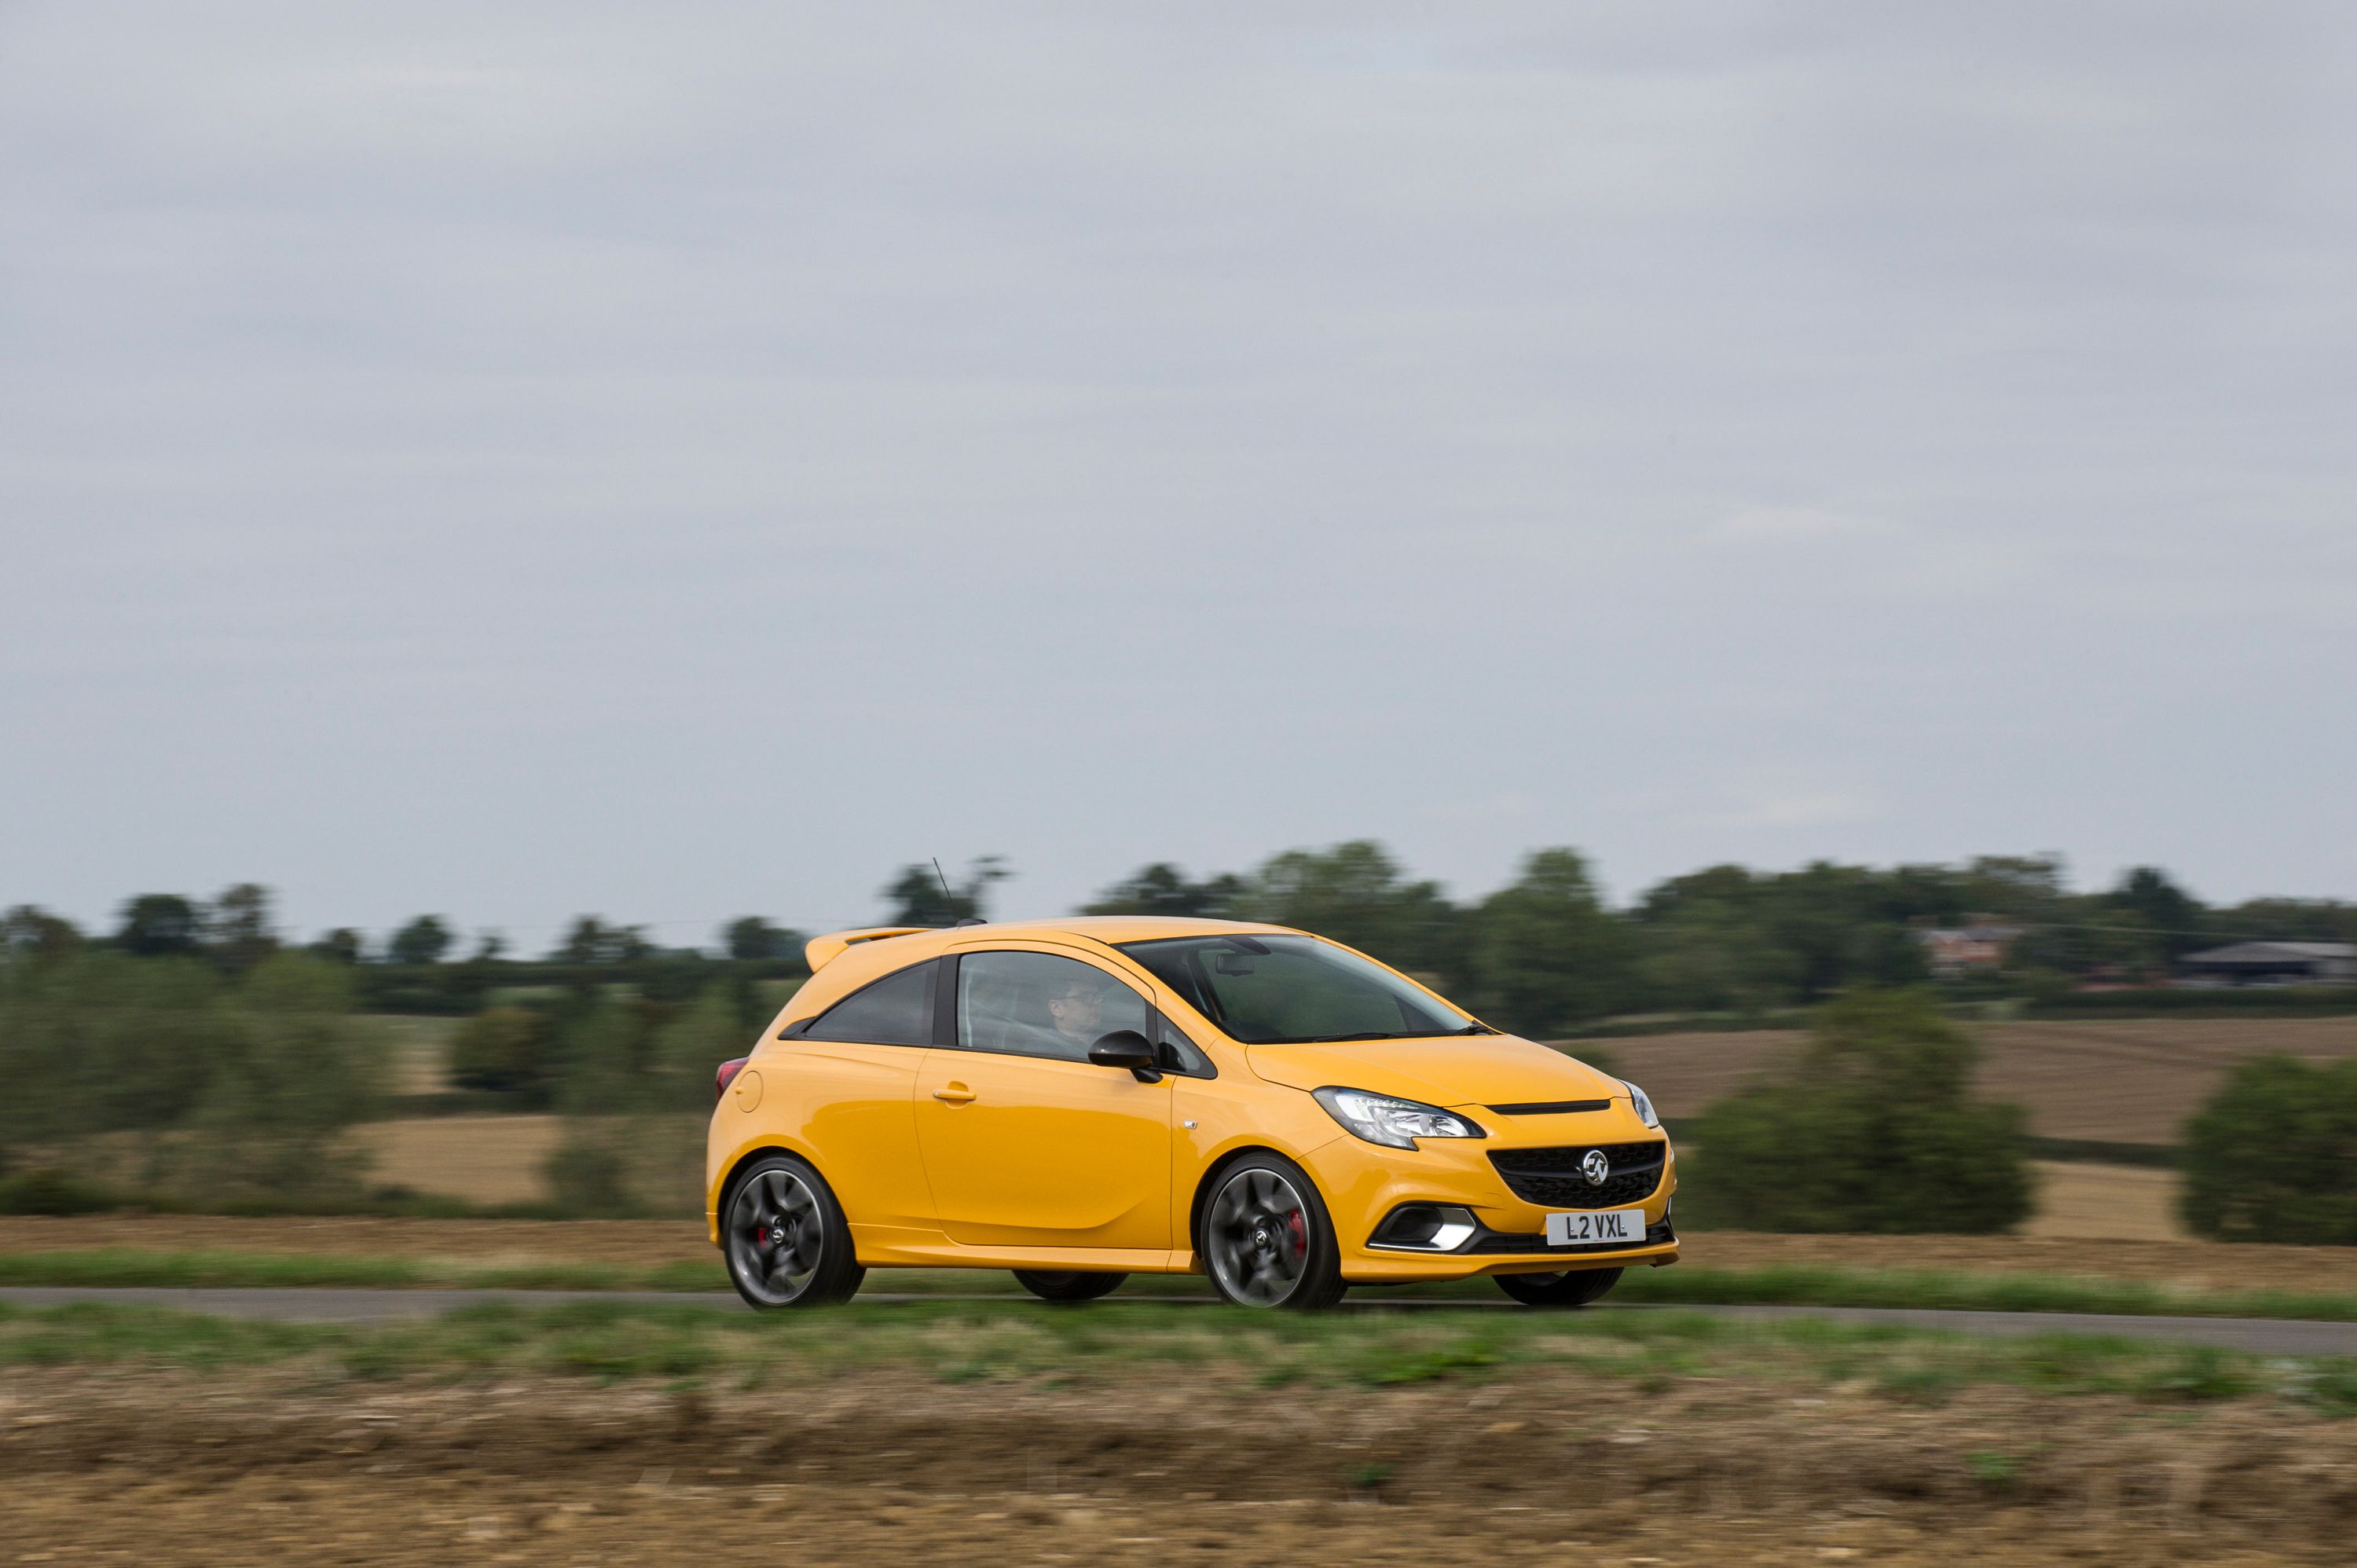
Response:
column 776, row 1236
column 1258, row 1229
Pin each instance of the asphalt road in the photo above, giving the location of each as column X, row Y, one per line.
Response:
column 2264, row 1336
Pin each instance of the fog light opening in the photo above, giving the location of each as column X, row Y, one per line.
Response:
column 1425, row 1228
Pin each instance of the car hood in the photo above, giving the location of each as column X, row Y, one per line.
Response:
column 1461, row 1069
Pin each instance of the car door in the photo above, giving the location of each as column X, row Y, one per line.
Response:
column 1026, row 1142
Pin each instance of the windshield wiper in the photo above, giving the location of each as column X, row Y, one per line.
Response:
column 1474, row 1030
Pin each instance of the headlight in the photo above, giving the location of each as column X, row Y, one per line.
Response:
column 1637, row 1098
column 1396, row 1124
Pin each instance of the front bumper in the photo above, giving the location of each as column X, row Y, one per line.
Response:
column 1364, row 1183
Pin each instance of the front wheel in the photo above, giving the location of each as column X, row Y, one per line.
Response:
column 1265, row 1238
column 1575, row 1287
column 788, row 1243
column 1067, row 1285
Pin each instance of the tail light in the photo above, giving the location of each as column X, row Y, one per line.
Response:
column 729, row 1070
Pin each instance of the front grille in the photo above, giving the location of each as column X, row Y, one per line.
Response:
column 1537, row 1242
column 1553, row 1178
column 1550, row 1107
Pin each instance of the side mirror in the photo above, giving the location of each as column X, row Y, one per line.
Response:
column 1126, row 1047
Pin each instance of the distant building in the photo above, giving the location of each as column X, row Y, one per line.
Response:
column 2273, row 963
column 1960, row 949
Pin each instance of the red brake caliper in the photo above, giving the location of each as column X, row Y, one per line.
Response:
column 1299, row 1229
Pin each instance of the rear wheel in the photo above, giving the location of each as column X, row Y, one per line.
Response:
column 1265, row 1238
column 1577, row 1287
column 785, row 1236
column 1068, row 1284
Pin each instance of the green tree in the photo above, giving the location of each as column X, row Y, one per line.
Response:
column 1706, row 957
column 919, row 898
column 636, row 1098
column 509, row 1050
column 1355, row 894
column 2290, row 920
column 1162, row 888
column 31, row 933
column 2273, row 1155
column 665, row 1140
column 97, row 1041
column 1796, row 937
column 691, row 1047
column 294, row 1076
column 752, row 940
column 238, row 928
column 422, row 941
column 160, row 925
column 342, row 945
column 1546, row 955
column 2174, row 918
column 591, row 943
column 602, row 1051
column 1873, row 1130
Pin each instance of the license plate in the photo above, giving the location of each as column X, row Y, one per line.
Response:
column 1624, row 1225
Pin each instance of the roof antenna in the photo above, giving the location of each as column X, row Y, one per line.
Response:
column 952, row 898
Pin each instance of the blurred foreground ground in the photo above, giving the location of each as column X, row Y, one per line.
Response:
column 1164, row 1464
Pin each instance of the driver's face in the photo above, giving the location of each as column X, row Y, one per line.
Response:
column 1076, row 1009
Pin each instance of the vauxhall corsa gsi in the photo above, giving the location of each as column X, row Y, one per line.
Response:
column 1083, row 1100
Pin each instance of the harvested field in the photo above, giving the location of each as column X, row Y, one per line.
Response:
column 483, row 1159
column 2129, row 1203
column 643, row 1244
column 2133, row 1081
column 1171, row 1464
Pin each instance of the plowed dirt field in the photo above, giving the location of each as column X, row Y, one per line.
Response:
column 871, row 1467
column 2132, row 1081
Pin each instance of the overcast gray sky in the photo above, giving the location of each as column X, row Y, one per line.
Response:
column 682, row 461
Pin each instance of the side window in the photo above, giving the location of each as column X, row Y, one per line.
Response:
column 1036, row 1004
column 897, row 1010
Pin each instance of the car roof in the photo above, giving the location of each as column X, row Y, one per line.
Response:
column 842, row 961
column 1114, row 929
column 893, row 946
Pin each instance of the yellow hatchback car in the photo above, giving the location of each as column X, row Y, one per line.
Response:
column 1079, row 1100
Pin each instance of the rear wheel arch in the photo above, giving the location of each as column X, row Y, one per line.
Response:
column 761, row 1151
column 784, row 1236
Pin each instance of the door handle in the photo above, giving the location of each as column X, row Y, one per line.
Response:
column 954, row 1092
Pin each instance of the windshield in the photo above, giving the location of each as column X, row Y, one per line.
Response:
column 1292, row 991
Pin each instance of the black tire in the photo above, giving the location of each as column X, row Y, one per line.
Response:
column 1265, row 1239
column 1068, row 1284
column 1575, row 1287
column 785, row 1236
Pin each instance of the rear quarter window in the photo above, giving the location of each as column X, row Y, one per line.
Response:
column 897, row 1010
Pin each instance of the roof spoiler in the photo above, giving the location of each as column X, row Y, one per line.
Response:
column 819, row 952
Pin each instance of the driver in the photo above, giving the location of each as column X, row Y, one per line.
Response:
column 1077, row 1009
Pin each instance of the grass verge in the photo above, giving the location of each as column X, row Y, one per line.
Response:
column 967, row 1341
column 1782, row 1285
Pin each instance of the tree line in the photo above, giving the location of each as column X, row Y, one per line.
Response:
column 1545, row 954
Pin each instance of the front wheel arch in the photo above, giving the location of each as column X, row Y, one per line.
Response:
column 1209, row 1182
